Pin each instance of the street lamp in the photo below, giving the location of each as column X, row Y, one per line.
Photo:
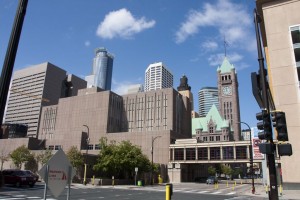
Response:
column 86, row 153
column 251, row 157
column 151, row 176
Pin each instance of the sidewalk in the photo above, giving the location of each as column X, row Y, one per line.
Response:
column 260, row 191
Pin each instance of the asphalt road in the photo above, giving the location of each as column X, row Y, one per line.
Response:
column 79, row 192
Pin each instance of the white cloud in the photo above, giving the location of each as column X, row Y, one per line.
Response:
column 231, row 20
column 87, row 43
column 209, row 45
column 217, row 59
column 121, row 88
column 121, row 23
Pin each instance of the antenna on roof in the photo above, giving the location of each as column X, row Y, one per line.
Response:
column 225, row 45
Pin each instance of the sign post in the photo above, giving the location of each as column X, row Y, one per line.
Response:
column 57, row 173
column 136, row 171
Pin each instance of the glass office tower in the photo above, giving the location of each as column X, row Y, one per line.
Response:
column 207, row 97
column 102, row 70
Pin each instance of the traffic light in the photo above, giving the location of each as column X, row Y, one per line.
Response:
column 264, row 124
column 279, row 122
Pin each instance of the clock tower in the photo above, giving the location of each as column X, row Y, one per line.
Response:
column 229, row 106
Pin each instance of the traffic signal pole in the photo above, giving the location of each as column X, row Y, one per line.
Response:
column 11, row 55
column 273, row 193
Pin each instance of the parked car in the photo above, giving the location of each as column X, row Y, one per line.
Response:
column 18, row 177
column 36, row 177
column 211, row 180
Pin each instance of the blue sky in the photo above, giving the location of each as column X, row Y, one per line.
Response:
column 187, row 36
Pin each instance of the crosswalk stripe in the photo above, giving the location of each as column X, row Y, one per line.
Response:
column 202, row 192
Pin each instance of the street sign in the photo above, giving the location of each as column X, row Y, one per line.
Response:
column 136, row 169
column 58, row 170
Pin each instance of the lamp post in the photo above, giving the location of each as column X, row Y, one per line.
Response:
column 251, row 157
column 151, row 175
column 86, row 153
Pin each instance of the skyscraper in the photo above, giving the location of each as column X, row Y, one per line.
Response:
column 207, row 97
column 37, row 86
column 102, row 70
column 280, row 33
column 157, row 76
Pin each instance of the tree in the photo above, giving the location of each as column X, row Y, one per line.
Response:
column 3, row 158
column 226, row 170
column 31, row 163
column 44, row 156
column 211, row 170
column 119, row 160
column 75, row 157
column 20, row 155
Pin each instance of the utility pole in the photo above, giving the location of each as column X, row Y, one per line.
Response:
column 273, row 194
column 11, row 55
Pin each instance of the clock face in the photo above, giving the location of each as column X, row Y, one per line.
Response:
column 227, row 90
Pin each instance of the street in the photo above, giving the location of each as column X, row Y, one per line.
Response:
column 89, row 192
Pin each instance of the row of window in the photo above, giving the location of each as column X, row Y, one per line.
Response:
column 214, row 153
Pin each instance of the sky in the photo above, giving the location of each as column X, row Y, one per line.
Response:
column 187, row 36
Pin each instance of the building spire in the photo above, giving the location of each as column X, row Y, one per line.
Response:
column 225, row 45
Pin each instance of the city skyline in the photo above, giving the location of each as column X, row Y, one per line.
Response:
column 188, row 37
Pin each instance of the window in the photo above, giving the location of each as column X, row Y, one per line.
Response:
column 241, row 152
column 178, row 154
column 215, row 153
column 57, row 147
column 227, row 153
column 295, row 35
column 51, row 147
column 211, row 129
column 190, row 153
column 90, row 147
column 97, row 147
column 217, row 138
column 202, row 153
column 205, row 139
column 211, row 138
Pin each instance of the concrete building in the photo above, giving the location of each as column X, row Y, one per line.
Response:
column 136, row 117
column 207, row 97
column 190, row 159
column 280, row 31
column 102, row 70
column 35, row 87
column 157, row 76
column 185, row 90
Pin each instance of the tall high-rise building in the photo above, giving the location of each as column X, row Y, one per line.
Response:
column 207, row 97
column 157, row 76
column 102, row 70
column 280, row 33
column 229, row 106
column 35, row 87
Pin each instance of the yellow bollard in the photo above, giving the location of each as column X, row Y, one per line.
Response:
column 233, row 187
column 93, row 180
column 280, row 190
column 234, row 183
column 84, row 175
column 226, row 183
column 169, row 191
column 266, row 188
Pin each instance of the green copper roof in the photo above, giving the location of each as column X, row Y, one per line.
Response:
column 201, row 123
column 226, row 66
